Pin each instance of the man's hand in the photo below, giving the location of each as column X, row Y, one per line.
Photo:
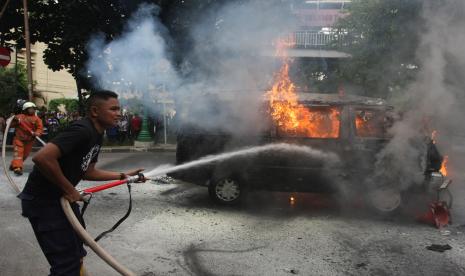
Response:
column 73, row 196
column 33, row 133
column 134, row 172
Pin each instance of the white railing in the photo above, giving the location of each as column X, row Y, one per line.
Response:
column 310, row 39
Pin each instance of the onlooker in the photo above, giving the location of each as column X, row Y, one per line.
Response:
column 136, row 123
column 123, row 126
column 52, row 125
column 112, row 134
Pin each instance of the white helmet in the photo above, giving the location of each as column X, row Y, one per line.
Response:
column 27, row 105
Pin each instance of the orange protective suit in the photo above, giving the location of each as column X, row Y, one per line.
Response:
column 23, row 140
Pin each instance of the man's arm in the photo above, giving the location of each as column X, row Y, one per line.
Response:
column 95, row 174
column 40, row 127
column 46, row 161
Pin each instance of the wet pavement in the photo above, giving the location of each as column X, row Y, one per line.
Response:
column 174, row 229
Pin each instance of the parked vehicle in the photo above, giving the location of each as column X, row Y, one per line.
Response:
column 353, row 127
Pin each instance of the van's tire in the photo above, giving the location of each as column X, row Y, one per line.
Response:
column 228, row 190
column 385, row 201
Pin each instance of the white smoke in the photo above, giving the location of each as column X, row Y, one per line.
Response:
column 435, row 99
column 136, row 62
column 224, row 89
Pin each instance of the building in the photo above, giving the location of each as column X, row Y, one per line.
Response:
column 316, row 19
column 50, row 85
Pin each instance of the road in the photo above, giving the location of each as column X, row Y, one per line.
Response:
column 174, row 229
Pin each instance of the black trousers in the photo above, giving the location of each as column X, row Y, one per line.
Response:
column 59, row 242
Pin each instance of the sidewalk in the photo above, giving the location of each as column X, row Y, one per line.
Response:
column 156, row 147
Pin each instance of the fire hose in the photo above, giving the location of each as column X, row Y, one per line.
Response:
column 5, row 136
column 87, row 193
column 85, row 236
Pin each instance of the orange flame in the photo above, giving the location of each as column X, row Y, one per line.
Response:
column 443, row 169
column 294, row 118
column 369, row 124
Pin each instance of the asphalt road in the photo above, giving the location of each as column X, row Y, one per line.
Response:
column 174, row 229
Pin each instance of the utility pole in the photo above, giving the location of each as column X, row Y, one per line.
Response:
column 164, row 113
column 4, row 8
column 28, row 50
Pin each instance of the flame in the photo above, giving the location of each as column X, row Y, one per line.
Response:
column 369, row 124
column 296, row 119
column 362, row 127
column 443, row 169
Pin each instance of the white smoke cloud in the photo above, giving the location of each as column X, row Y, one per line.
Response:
column 223, row 77
column 138, row 61
column 435, row 100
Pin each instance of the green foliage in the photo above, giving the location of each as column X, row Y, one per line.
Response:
column 12, row 87
column 71, row 105
column 66, row 27
column 382, row 37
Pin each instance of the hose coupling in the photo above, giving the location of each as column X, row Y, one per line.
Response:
column 140, row 177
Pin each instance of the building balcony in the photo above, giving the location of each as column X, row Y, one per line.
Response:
column 312, row 40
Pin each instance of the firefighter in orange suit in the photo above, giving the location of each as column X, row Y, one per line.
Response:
column 28, row 125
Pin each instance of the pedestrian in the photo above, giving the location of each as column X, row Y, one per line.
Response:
column 136, row 124
column 52, row 124
column 28, row 126
column 112, row 134
column 58, row 167
column 123, row 125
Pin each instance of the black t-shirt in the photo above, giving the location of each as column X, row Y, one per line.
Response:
column 79, row 145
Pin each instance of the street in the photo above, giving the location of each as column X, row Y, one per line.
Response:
column 174, row 229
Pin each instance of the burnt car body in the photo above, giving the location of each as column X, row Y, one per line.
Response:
column 357, row 135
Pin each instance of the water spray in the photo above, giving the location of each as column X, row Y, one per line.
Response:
column 87, row 193
column 328, row 156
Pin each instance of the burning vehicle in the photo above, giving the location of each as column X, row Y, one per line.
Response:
column 354, row 128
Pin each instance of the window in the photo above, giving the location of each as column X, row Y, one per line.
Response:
column 330, row 6
column 371, row 123
column 311, row 122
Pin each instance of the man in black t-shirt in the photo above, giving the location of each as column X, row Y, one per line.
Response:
column 58, row 168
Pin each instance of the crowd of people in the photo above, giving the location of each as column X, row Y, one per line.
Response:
column 54, row 122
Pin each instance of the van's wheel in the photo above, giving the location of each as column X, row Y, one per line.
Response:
column 385, row 201
column 227, row 190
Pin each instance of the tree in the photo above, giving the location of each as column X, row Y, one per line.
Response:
column 12, row 86
column 66, row 27
column 71, row 105
column 382, row 37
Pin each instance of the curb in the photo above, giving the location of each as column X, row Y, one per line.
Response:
column 156, row 148
column 137, row 149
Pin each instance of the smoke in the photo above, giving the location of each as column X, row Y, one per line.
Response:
column 136, row 63
column 221, row 80
column 434, row 99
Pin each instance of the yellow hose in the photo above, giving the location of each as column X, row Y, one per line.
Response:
column 85, row 236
